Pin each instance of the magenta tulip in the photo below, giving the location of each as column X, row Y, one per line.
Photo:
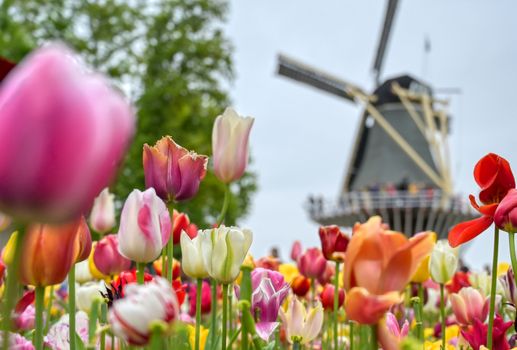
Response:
column 107, row 258
column 230, row 145
column 173, row 171
column 63, row 131
column 505, row 216
column 312, row 263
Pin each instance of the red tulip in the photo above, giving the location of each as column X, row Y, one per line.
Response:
column 495, row 178
column 107, row 258
column 330, row 271
column 63, row 131
column 476, row 335
column 173, row 171
column 48, row 252
column 459, row 280
column 312, row 263
column 181, row 222
column 300, row 285
column 505, row 216
column 327, row 297
column 176, row 268
column 333, row 243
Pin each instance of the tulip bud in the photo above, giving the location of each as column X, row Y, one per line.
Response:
column 107, row 258
column 505, row 216
column 300, row 285
column 173, row 171
column 443, row 262
column 192, row 257
column 145, row 226
column 509, row 287
column 333, row 243
column 468, row 305
column 296, row 250
column 50, row 251
column 54, row 111
column 327, row 297
column 312, row 263
column 131, row 317
column 230, row 145
column 82, row 272
column 224, row 250
column 102, row 217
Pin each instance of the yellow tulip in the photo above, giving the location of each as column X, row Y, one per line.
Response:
column 202, row 336
column 8, row 253
column 502, row 268
column 289, row 271
column 422, row 273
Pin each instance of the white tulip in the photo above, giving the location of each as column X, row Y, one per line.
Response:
column 192, row 257
column 102, row 216
column 143, row 305
column 443, row 262
column 82, row 272
column 224, row 250
column 87, row 293
column 302, row 325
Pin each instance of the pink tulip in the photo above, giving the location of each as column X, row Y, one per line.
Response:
column 107, row 258
column 173, row 171
column 145, row 226
column 312, row 263
column 230, row 145
column 469, row 305
column 63, row 131
column 505, row 216
column 296, row 250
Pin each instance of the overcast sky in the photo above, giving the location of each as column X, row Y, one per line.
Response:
column 302, row 137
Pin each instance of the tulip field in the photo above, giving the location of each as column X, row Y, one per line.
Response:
column 75, row 275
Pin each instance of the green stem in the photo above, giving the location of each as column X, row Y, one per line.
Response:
column 226, row 201
column 442, row 313
column 313, row 291
column 198, row 312
column 104, row 316
column 296, row 345
column 230, row 307
column 71, row 307
column 511, row 237
column 234, row 338
column 140, row 269
column 421, row 309
column 351, row 330
column 246, row 295
column 225, row 316
column 213, row 313
column 92, row 323
column 49, row 309
column 170, row 257
column 11, row 286
column 40, row 305
column 418, row 317
column 492, row 288
column 336, row 302
column 373, row 340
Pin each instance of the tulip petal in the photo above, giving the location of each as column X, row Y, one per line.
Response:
column 266, row 329
column 465, row 231
column 366, row 308
column 313, row 324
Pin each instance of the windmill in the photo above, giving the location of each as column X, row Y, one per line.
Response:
column 399, row 163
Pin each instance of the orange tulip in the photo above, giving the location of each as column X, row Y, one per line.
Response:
column 379, row 264
column 49, row 251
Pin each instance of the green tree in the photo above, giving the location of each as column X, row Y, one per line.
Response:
column 170, row 57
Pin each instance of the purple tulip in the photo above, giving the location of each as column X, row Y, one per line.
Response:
column 63, row 132
column 269, row 291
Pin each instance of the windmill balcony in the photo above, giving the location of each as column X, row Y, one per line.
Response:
column 404, row 211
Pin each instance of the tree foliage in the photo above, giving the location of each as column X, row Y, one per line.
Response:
column 169, row 56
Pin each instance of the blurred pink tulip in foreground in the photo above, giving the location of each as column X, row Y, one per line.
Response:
column 63, row 131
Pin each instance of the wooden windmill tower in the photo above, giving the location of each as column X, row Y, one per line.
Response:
column 399, row 164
